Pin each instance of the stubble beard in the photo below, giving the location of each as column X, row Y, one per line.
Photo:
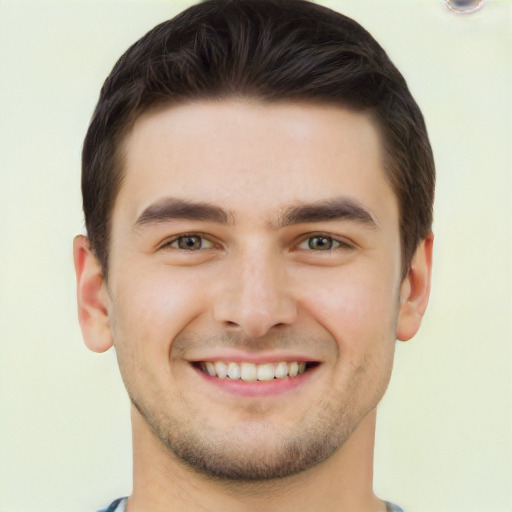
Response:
column 251, row 453
column 260, row 451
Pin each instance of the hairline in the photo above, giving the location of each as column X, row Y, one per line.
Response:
column 120, row 141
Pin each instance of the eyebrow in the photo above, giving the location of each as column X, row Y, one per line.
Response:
column 342, row 208
column 171, row 208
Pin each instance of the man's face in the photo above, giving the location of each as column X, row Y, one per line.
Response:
column 260, row 240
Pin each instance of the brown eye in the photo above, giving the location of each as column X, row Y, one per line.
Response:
column 189, row 248
column 190, row 242
column 320, row 243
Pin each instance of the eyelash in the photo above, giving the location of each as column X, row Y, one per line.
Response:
column 335, row 244
column 176, row 240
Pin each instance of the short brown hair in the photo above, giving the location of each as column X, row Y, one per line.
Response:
column 271, row 50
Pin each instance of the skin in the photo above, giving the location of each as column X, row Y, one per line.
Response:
column 257, row 286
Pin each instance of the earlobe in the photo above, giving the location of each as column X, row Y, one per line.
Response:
column 91, row 297
column 415, row 291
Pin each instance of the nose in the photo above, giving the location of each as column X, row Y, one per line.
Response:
column 255, row 295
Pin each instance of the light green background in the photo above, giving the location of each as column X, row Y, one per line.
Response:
column 443, row 442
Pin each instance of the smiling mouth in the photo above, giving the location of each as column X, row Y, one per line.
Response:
column 251, row 372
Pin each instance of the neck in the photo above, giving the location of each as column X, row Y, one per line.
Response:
column 163, row 483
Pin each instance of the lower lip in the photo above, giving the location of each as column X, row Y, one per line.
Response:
column 257, row 387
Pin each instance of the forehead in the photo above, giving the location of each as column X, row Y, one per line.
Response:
column 251, row 157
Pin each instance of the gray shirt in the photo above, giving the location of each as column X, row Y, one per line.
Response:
column 120, row 506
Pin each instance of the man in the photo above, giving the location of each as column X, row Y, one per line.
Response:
column 258, row 186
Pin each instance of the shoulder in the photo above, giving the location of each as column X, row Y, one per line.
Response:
column 116, row 506
column 391, row 507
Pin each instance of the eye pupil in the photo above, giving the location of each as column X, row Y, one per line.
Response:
column 320, row 243
column 190, row 242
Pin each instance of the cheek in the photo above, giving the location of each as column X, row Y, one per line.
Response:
column 152, row 308
column 149, row 310
column 357, row 311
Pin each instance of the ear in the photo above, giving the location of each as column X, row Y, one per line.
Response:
column 415, row 291
column 92, row 297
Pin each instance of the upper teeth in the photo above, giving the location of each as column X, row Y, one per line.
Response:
column 251, row 371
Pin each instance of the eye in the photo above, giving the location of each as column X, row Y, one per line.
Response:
column 190, row 243
column 322, row 243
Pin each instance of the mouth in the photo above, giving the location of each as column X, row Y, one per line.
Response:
column 252, row 372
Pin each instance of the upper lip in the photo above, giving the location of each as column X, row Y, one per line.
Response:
column 255, row 357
